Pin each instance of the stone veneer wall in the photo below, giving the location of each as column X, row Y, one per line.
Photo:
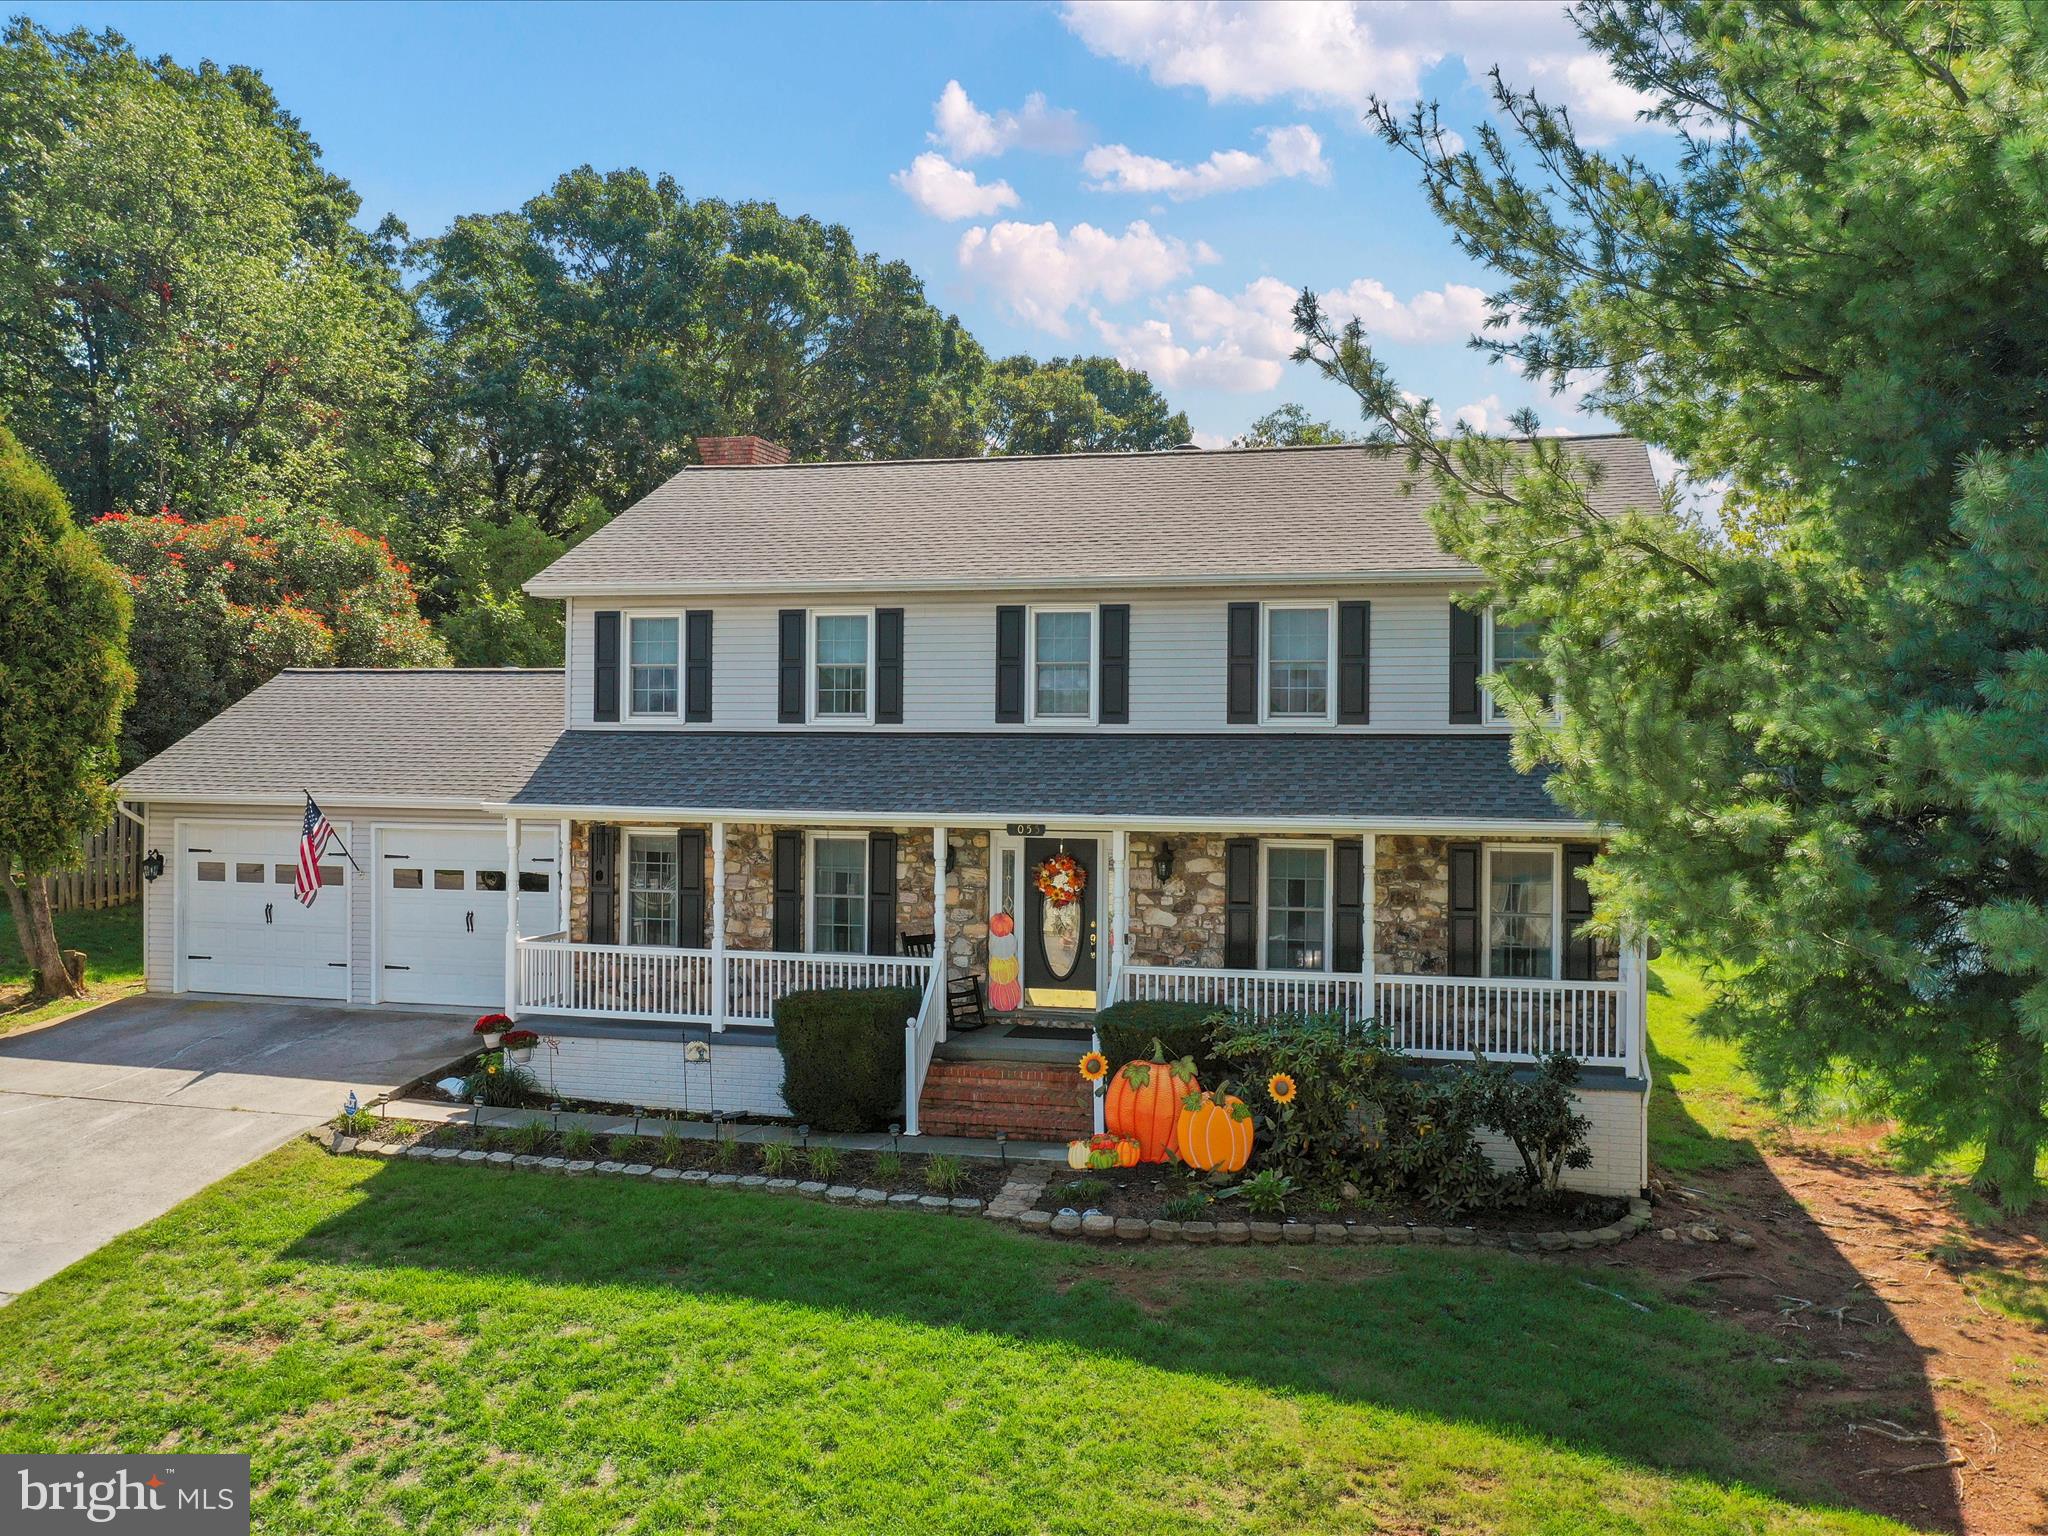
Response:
column 1181, row 921
column 1411, row 905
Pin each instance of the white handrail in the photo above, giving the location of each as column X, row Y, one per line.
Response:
column 920, row 1039
column 608, row 981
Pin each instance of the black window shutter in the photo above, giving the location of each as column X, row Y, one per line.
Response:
column 1354, row 663
column 789, row 892
column 1009, row 665
column 1464, row 666
column 1243, row 700
column 1241, row 903
column 1578, row 910
column 604, row 673
column 789, row 668
column 1464, row 909
column 692, row 929
column 881, row 893
column 604, row 885
column 889, row 666
column 697, row 666
column 1347, row 937
column 1113, row 639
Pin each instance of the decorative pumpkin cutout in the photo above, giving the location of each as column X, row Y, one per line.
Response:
column 1213, row 1137
column 1144, row 1101
column 1077, row 1152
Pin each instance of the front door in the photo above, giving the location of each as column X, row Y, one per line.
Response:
column 1059, row 940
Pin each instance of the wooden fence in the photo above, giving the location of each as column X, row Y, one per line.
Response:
column 111, row 874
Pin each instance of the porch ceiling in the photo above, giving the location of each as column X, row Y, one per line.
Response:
column 1249, row 778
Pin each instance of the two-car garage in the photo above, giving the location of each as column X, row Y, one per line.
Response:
column 421, row 909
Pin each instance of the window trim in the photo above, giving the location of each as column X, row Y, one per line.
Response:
column 625, row 885
column 627, row 618
column 1267, row 609
column 811, row 841
column 1031, row 714
column 1488, row 711
column 1328, row 848
column 1486, row 853
column 812, row 714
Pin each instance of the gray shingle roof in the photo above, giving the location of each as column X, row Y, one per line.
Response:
column 442, row 735
column 998, row 778
column 1104, row 519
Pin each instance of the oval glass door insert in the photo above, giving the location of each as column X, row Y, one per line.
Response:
column 1060, row 937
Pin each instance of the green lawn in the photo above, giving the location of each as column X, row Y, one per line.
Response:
column 463, row 1350
column 1705, row 1110
column 112, row 941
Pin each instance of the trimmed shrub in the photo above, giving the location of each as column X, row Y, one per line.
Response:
column 842, row 1055
column 1128, row 1029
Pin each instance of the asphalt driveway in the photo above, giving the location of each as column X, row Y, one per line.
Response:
column 110, row 1118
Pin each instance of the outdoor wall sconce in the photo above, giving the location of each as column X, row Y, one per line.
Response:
column 1162, row 863
column 952, row 858
column 153, row 866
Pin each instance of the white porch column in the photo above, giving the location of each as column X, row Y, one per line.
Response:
column 1120, row 904
column 1635, row 999
column 512, row 917
column 1369, row 899
column 717, row 925
column 939, row 904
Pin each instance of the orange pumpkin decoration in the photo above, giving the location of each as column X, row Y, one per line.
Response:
column 1215, row 1136
column 1144, row 1102
column 1127, row 1150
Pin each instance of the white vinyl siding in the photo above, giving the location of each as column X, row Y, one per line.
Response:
column 1178, row 660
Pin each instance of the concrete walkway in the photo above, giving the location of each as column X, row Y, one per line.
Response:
column 109, row 1118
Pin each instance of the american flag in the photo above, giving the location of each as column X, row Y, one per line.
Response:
column 313, row 840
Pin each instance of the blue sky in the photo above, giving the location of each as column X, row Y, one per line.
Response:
column 1150, row 180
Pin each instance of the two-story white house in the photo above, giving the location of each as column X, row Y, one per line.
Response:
column 825, row 724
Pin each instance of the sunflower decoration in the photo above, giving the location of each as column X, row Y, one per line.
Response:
column 1095, row 1066
column 1061, row 880
column 1281, row 1087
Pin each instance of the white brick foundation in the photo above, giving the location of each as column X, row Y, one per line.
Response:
column 737, row 1080
column 1618, row 1139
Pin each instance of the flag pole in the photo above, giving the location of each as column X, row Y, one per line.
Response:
column 333, row 837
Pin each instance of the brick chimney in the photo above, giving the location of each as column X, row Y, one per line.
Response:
column 733, row 452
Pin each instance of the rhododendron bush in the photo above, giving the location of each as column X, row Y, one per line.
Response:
column 222, row 606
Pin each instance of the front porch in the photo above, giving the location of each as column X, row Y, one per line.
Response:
column 1367, row 925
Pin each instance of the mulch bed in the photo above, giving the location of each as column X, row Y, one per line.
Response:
column 980, row 1177
column 1144, row 1192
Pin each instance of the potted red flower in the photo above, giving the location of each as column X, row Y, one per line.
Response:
column 491, row 1028
column 519, row 1044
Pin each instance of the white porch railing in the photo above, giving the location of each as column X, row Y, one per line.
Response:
column 755, row 979
column 1437, row 1017
column 920, row 1038
column 609, row 981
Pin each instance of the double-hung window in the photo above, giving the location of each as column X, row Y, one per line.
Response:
column 1509, row 645
column 1062, row 664
column 1521, row 912
column 654, row 647
column 839, row 895
column 841, row 643
column 1297, row 683
column 1296, row 915
column 651, row 888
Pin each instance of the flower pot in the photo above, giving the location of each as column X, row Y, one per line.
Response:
column 492, row 1040
column 521, row 1055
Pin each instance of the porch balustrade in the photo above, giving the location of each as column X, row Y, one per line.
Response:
column 618, row 981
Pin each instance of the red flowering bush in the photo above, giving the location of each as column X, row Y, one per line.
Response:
column 222, row 606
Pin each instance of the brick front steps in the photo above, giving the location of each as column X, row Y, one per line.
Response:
column 1027, row 1100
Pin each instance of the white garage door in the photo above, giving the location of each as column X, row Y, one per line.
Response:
column 242, row 929
column 441, row 911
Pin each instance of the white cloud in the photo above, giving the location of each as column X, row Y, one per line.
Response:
column 966, row 132
column 1295, row 151
column 1341, row 53
column 1453, row 312
column 945, row 191
column 1486, row 414
column 1041, row 274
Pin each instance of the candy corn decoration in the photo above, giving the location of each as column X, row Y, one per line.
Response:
column 1005, row 986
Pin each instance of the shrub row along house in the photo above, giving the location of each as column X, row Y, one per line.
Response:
column 849, row 724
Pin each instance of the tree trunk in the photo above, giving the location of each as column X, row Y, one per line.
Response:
column 29, row 901
column 2019, row 1122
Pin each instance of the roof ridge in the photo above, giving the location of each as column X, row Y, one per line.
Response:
column 425, row 671
column 1186, row 451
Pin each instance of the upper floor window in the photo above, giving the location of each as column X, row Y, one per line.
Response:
column 655, row 654
column 1062, row 663
column 1298, row 662
column 841, row 642
column 839, row 895
column 1296, row 910
column 651, row 872
column 1508, row 645
column 1521, row 911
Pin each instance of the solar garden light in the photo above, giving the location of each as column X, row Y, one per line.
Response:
column 1003, row 1147
column 805, row 1132
column 717, row 1124
column 895, row 1130
column 476, row 1110
column 555, row 1109
column 639, row 1110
